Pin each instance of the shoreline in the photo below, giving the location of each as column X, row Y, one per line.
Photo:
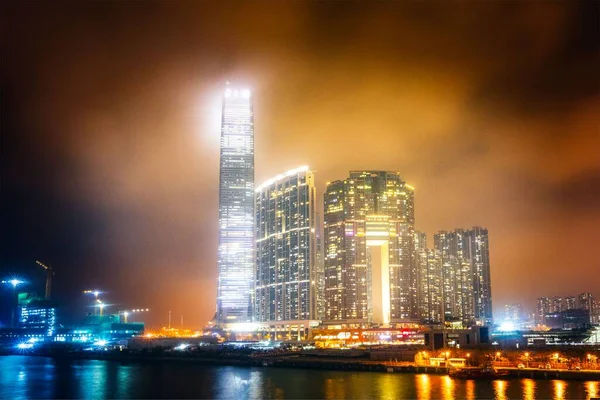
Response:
column 307, row 362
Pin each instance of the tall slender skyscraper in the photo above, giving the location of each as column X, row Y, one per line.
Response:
column 286, row 273
column 370, row 276
column 236, row 208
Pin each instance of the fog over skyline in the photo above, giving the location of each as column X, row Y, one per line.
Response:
column 110, row 131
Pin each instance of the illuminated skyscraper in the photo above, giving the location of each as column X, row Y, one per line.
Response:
column 236, row 207
column 478, row 253
column 556, row 304
column 543, row 308
column 370, row 276
column 466, row 274
column 586, row 301
column 429, row 286
column 320, row 268
column 570, row 303
column 286, row 273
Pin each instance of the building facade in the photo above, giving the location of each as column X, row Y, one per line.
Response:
column 587, row 301
column 430, row 303
column 556, row 305
column 236, row 208
column 370, row 273
column 286, row 276
column 542, row 308
column 38, row 316
column 320, row 267
column 466, row 274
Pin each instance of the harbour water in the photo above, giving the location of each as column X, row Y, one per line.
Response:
column 24, row 377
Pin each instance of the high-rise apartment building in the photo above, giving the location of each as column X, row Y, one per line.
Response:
column 430, row 304
column 466, row 274
column 320, row 266
column 570, row 303
column 479, row 255
column 513, row 312
column 586, row 301
column 370, row 274
column 420, row 241
column 236, row 208
column 543, row 308
column 286, row 273
column 556, row 304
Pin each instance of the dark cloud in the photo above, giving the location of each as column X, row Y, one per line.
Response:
column 110, row 131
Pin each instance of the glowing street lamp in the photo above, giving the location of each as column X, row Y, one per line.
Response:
column 95, row 293
column 101, row 306
column 127, row 313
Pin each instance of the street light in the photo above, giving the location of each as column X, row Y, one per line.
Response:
column 101, row 306
column 127, row 313
column 526, row 359
column 95, row 293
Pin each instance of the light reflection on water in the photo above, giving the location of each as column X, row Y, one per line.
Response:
column 592, row 389
column 500, row 389
column 528, row 389
column 43, row 378
column 448, row 388
column 423, row 386
column 559, row 390
column 470, row 389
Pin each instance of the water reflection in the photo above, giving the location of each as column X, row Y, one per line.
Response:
column 36, row 377
column 559, row 389
column 470, row 390
column 335, row 389
column 423, row 384
column 592, row 389
column 388, row 387
column 528, row 389
column 92, row 384
column 448, row 388
column 500, row 389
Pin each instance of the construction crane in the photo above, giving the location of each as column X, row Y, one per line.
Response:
column 49, row 273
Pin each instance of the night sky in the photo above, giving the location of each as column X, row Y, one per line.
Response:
column 110, row 133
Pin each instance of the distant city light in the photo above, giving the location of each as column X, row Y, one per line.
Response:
column 24, row 346
column 100, row 343
column 182, row 347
